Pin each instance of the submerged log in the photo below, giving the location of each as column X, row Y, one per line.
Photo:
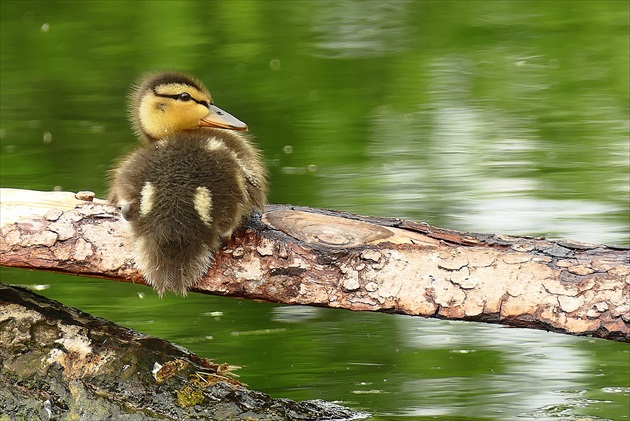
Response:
column 318, row 257
column 60, row 363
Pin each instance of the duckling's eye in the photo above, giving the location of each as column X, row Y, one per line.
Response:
column 184, row 96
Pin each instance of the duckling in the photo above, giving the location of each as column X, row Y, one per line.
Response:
column 191, row 184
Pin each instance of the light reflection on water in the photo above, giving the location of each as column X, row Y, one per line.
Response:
column 492, row 373
column 528, row 378
column 478, row 167
column 581, row 220
column 351, row 30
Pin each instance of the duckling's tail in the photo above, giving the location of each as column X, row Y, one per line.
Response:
column 172, row 266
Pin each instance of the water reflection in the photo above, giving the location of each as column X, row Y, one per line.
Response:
column 480, row 167
column 586, row 221
column 294, row 314
column 524, row 378
column 360, row 29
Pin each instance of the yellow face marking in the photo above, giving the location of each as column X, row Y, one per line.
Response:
column 146, row 198
column 203, row 204
column 161, row 116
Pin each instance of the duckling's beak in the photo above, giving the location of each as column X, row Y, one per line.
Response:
column 219, row 118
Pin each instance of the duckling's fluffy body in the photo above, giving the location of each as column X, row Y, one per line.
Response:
column 189, row 187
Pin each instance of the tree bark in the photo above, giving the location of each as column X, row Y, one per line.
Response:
column 318, row 257
column 57, row 362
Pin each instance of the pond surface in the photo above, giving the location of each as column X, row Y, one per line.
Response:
column 493, row 116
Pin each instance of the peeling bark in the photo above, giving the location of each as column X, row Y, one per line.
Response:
column 57, row 362
column 335, row 259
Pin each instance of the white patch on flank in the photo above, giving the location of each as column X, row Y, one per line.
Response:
column 215, row 144
column 250, row 176
column 146, row 198
column 203, row 204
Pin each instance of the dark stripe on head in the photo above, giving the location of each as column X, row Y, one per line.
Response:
column 204, row 103
column 172, row 77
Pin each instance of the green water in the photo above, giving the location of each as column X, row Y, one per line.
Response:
column 493, row 116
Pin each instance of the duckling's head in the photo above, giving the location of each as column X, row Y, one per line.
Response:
column 163, row 104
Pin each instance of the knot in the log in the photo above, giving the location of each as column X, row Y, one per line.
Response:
column 332, row 231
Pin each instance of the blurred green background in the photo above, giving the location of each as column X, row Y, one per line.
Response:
column 490, row 116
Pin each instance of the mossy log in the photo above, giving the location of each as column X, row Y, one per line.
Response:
column 57, row 362
column 298, row 255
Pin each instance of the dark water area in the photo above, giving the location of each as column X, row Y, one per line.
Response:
column 490, row 116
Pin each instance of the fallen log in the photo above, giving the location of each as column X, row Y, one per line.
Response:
column 299, row 255
column 60, row 363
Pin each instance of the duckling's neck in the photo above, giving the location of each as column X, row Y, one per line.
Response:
column 154, row 122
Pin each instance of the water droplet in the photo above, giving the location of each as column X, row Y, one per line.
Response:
column 274, row 64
